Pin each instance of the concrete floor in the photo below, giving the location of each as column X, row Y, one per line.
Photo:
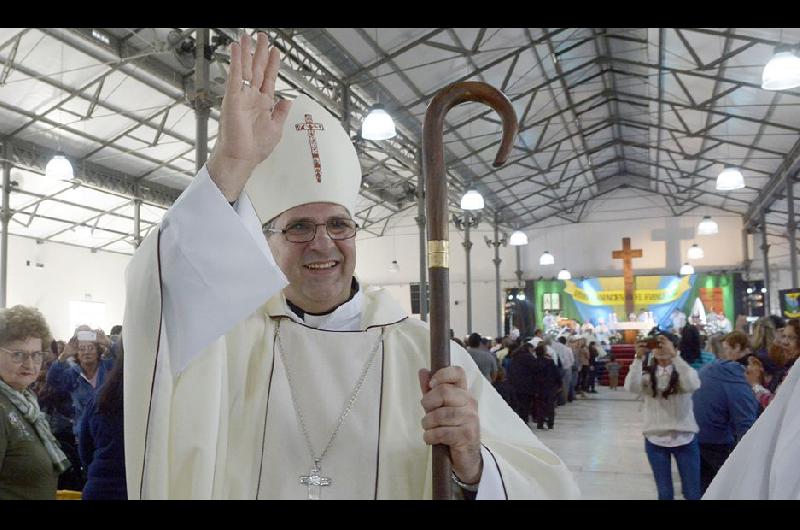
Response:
column 600, row 439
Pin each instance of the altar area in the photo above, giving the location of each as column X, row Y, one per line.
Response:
column 632, row 305
column 631, row 330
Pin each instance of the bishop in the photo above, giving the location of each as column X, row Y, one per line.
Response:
column 254, row 354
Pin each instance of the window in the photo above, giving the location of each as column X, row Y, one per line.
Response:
column 551, row 302
column 93, row 314
column 415, row 297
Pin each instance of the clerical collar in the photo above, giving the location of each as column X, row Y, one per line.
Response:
column 301, row 313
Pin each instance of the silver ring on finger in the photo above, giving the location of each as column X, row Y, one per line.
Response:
column 246, row 83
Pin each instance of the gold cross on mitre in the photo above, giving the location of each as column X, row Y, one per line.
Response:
column 310, row 126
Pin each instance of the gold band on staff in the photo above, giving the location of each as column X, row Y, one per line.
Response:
column 438, row 254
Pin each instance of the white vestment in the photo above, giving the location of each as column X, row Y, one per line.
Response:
column 766, row 461
column 208, row 410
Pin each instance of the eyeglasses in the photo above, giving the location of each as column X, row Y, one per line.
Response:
column 305, row 231
column 19, row 357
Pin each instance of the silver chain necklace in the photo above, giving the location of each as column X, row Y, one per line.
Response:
column 314, row 480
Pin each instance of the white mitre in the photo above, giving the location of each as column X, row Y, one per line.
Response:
column 315, row 161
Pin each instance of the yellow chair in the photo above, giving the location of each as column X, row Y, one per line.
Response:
column 68, row 495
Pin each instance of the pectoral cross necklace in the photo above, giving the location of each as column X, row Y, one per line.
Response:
column 315, row 481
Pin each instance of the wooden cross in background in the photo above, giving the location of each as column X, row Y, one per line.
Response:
column 626, row 255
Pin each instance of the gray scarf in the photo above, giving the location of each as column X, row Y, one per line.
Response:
column 28, row 406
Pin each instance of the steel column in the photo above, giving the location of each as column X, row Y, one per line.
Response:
column 746, row 261
column 137, row 222
column 6, row 217
column 791, row 227
column 346, row 108
column 468, row 248
column 498, row 307
column 765, row 250
column 201, row 99
column 518, row 272
column 423, row 265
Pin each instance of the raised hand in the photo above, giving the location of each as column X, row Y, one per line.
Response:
column 70, row 350
column 251, row 124
column 641, row 349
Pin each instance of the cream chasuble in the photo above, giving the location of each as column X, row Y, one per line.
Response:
column 325, row 367
column 208, row 412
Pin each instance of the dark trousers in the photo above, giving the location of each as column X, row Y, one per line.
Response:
column 592, row 378
column 688, row 459
column 544, row 408
column 583, row 379
column 524, row 405
column 712, row 456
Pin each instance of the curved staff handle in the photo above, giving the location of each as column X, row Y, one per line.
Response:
column 436, row 210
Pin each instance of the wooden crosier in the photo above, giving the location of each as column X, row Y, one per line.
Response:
column 437, row 212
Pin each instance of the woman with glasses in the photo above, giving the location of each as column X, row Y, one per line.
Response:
column 30, row 458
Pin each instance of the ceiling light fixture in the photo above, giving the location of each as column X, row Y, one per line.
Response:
column 695, row 252
column 730, row 179
column 564, row 274
column 59, row 168
column 518, row 238
column 687, row 269
column 378, row 125
column 546, row 258
column 782, row 72
column 707, row 226
column 472, row 200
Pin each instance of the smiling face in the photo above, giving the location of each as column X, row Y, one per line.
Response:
column 320, row 271
column 20, row 376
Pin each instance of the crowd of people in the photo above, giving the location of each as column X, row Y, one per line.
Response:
column 66, row 397
column 698, row 404
column 535, row 375
column 701, row 393
column 60, row 410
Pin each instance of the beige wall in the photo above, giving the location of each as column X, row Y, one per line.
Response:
column 69, row 274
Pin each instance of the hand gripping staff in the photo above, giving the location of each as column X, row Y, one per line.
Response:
column 436, row 210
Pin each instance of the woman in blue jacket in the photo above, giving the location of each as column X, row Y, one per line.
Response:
column 80, row 370
column 102, row 442
column 724, row 408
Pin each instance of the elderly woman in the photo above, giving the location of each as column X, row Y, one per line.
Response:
column 80, row 370
column 30, row 458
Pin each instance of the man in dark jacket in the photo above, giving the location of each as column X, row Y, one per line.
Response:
column 546, row 381
column 724, row 408
column 520, row 373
